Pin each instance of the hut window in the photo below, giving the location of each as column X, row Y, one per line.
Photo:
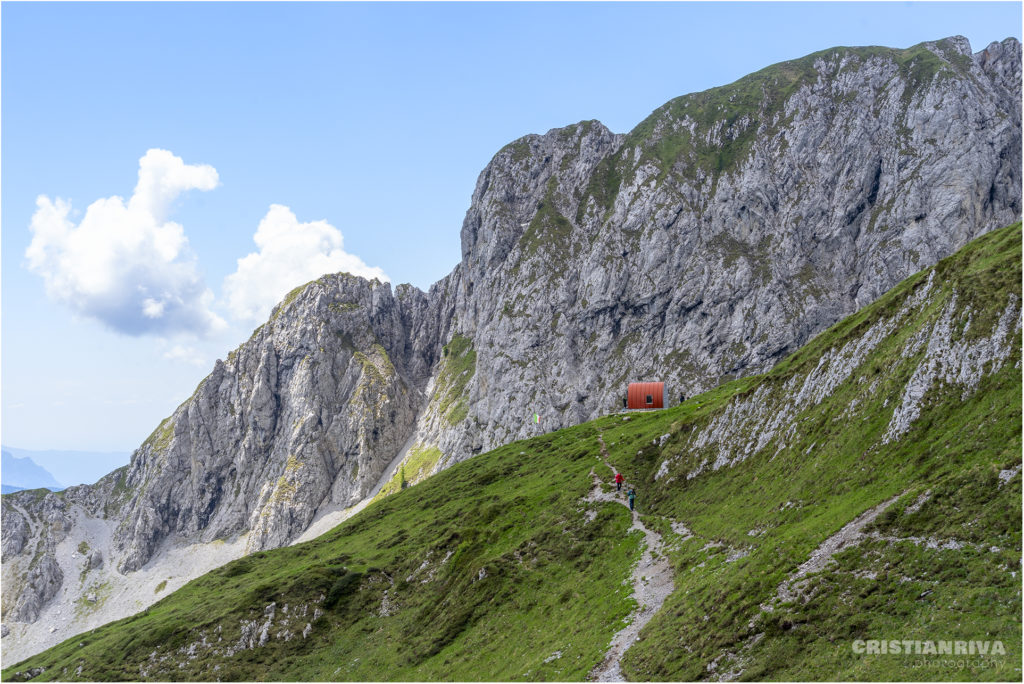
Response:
column 650, row 399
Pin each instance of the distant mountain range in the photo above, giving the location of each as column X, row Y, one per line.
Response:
column 23, row 473
column 56, row 469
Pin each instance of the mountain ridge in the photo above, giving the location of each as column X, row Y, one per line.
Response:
column 588, row 259
column 73, row 467
column 25, row 473
column 819, row 526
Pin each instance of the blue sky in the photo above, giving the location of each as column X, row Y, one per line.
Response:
column 339, row 133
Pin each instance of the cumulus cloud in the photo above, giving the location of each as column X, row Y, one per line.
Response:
column 290, row 254
column 125, row 264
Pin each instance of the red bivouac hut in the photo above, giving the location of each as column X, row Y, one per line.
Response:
column 646, row 395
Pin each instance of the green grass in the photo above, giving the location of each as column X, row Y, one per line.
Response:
column 288, row 299
column 418, row 465
column 378, row 373
column 749, row 109
column 548, row 232
column 488, row 569
column 343, row 307
column 518, row 150
column 458, row 364
column 160, row 438
column 833, row 467
column 521, row 558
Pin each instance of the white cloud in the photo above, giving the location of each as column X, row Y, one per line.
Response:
column 291, row 253
column 186, row 354
column 124, row 264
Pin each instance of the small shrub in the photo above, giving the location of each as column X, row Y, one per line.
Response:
column 239, row 567
column 342, row 588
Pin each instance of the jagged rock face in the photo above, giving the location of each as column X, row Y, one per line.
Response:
column 715, row 238
column 725, row 230
column 302, row 418
column 31, row 576
column 307, row 413
column 515, row 186
column 15, row 532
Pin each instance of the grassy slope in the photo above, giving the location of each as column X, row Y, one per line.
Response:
column 832, row 469
column 529, row 576
column 525, row 564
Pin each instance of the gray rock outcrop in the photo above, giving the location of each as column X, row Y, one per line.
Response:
column 35, row 577
column 307, row 413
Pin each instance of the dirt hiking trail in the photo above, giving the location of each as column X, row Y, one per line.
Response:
column 651, row 578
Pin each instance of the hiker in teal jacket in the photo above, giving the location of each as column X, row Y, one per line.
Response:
column 632, row 496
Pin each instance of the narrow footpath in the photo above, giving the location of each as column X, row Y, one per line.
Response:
column 652, row 582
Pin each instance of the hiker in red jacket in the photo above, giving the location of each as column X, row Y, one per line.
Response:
column 618, row 482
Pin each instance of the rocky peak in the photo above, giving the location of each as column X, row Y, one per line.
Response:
column 291, row 422
column 524, row 176
column 1002, row 62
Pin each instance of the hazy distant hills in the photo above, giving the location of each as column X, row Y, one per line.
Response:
column 22, row 473
column 56, row 469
